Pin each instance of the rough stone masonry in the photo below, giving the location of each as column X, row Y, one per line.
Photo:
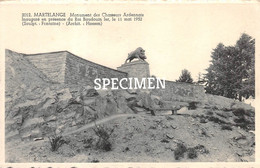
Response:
column 66, row 68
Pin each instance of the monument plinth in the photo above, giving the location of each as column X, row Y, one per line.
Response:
column 136, row 69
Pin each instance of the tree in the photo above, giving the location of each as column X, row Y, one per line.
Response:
column 200, row 78
column 185, row 77
column 215, row 78
column 231, row 72
column 246, row 47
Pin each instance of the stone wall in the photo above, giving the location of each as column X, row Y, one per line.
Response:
column 84, row 72
column 177, row 91
column 65, row 67
column 51, row 64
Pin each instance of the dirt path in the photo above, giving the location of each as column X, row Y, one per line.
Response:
column 87, row 126
column 104, row 120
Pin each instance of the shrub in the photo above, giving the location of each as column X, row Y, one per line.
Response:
column 240, row 120
column 239, row 112
column 179, row 151
column 202, row 120
column 244, row 124
column 221, row 115
column 226, row 127
column 56, row 142
column 88, row 142
column 209, row 113
column 95, row 161
column 192, row 105
column 203, row 132
column 201, row 149
column 250, row 113
column 103, row 134
column 192, row 153
column 216, row 120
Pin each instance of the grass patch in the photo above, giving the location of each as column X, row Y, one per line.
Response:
column 179, row 151
column 103, row 134
column 56, row 142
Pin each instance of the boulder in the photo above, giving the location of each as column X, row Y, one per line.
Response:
column 184, row 110
column 34, row 93
column 122, row 105
column 69, row 115
column 63, row 97
column 12, row 134
column 89, row 101
column 32, row 134
column 156, row 99
column 144, row 100
column 92, row 93
column 104, row 93
column 51, row 118
column 13, row 112
column 19, row 119
column 111, row 107
column 32, row 121
column 127, row 94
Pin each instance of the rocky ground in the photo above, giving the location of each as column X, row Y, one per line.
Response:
column 145, row 138
column 86, row 125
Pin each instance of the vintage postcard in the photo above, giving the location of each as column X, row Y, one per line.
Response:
column 129, row 84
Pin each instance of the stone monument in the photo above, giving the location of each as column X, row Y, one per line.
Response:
column 136, row 69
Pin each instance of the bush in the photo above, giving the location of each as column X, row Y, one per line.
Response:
column 179, row 151
column 192, row 105
column 56, row 142
column 216, row 120
column 202, row 120
column 103, row 134
column 95, row 161
column 226, row 127
column 244, row 124
column 201, row 149
column 192, row 153
column 88, row 142
column 250, row 113
column 240, row 120
column 221, row 115
column 239, row 112
column 209, row 113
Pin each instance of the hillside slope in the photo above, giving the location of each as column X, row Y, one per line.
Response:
column 146, row 138
column 213, row 129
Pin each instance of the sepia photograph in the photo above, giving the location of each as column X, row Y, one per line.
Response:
column 129, row 82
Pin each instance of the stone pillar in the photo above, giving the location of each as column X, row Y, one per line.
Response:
column 136, row 69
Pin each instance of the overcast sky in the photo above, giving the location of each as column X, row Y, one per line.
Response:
column 174, row 36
